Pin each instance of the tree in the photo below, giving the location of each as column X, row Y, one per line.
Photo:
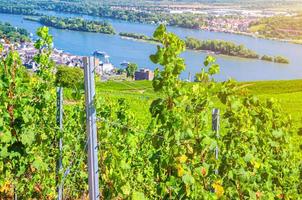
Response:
column 70, row 77
column 131, row 68
column 281, row 59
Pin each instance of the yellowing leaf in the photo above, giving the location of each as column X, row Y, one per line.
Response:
column 180, row 171
column 190, row 149
column 219, row 191
column 5, row 188
column 256, row 164
column 182, row 158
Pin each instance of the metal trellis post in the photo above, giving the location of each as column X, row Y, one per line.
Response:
column 215, row 128
column 93, row 172
column 60, row 124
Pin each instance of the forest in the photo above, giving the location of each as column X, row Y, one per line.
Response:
column 24, row 9
column 230, row 49
column 77, row 24
column 186, row 20
column 221, row 47
column 12, row 33
column 277, row 27
column 183, row 20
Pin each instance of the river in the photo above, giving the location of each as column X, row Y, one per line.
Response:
column 83, row 43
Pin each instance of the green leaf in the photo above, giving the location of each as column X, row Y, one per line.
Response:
column 6, row 137
column 214, row 69
column 248, row 157
column 138, row 196
column 188, row 179
column 28, row 137
column 3, row 152
column 277, row 133
column 126, row 189
column 39, row 164
column 209, row 60
column 159, row 32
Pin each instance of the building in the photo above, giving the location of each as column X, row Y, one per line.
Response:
column 104, row 66
column 27, row 51
column 144, row 74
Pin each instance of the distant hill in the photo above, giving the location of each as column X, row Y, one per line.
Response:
column 241, row 3
column 202, row 1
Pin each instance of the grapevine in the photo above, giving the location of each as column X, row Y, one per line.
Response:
column 173, row 157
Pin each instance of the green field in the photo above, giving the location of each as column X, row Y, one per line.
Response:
column 139, row 95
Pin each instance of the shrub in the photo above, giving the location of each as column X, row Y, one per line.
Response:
column 70, row 77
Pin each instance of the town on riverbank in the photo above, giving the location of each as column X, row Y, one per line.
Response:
column 27, row 51
column 253, row 18
column 233, row 51
column 104, row 68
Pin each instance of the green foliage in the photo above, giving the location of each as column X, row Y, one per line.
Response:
column 138, row 36
column 205, row 75
column 230, row 49
column 174, row 158
column 221, row 47
column 167, row 79
column 186, row 20
column 13, row 34
column 77, row 24
column 69, row 77
column 281, row 59
column 267, row 58
column 280, row 27
column 29, row 132
column 12, row 8
column 131, row 69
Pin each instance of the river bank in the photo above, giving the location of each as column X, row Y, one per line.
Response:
column 253, row 35
column 74, row 24
column 217, row 47
column 208, row 29
column 120, row 50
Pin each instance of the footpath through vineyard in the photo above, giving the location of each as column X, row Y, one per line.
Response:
column 181, row 154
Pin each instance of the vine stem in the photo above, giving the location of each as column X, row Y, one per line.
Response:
column 239, row 190
column 11, row 96
column 204, row 184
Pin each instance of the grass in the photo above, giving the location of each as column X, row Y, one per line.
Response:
column 138, row 94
